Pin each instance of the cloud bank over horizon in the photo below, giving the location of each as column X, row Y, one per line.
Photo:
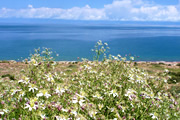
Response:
column 118, row 10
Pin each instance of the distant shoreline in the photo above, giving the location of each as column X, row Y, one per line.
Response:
column 165, row 62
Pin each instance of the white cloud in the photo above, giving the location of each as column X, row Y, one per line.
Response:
column 75, row 13
column 139, row 10
column 130, row 10
column 30, row 6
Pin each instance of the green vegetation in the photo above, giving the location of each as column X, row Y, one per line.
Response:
column 109, row 89
column 178, row 64
column 11, row 77
column 175, row 77
column 4, row 61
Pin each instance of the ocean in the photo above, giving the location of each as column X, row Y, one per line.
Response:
column 149, row 42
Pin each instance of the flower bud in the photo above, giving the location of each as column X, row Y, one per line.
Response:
column 2, row 102
column 124, row 117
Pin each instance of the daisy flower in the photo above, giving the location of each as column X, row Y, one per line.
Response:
column 22, row 93
column 130, row 93
column 50, row 77
column 24, row 80
column 100, row 106
column 60, row 90
column 1, row 113
column 114, row 93
column 43, row 93
column 92, row 114
column 154, row 116
column 31, row 105
column 97, row 95
column 34, row 62
column 32, row 87
column 14, row 91
column 80, row 101
column 6, row 110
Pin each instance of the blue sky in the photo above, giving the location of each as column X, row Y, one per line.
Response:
column 17, row 4
column 113, row 10
column 53, row 3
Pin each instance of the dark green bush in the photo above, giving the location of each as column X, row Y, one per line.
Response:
column 161, row 63
column 11, row 77
column 4, row 61
column 178, row 64
column 175, row 77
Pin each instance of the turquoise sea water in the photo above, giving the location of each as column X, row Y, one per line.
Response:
column 150, row 43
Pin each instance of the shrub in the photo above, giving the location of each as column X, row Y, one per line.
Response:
column 161, row 63
column 4, row 61
column 175, row 77
column 178, row 64
column 11, row 77
column 135, row 63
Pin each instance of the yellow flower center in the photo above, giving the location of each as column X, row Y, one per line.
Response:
column 44, row 92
